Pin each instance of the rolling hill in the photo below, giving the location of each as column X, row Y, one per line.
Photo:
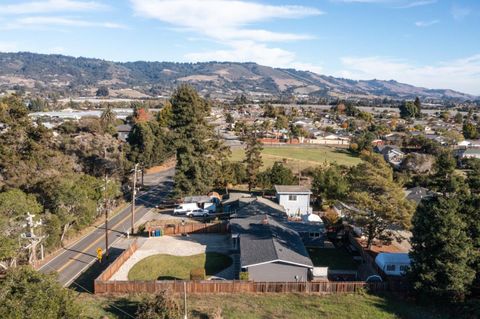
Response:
column 81, row 76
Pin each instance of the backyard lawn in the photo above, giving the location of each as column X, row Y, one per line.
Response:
column 333, row 258
column 282, row 306
column 300, row 157
column 169, row 267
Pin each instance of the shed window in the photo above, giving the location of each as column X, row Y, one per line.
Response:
column 292, row 197
column 390, row 267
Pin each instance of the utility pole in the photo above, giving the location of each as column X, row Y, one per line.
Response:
column 134, row 192
column 106, row 208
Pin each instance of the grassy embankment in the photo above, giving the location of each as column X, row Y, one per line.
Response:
column 284, row 306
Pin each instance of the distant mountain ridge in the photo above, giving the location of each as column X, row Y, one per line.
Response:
column 83, row 75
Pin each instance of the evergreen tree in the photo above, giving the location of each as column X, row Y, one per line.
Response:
column 470, row 131
column 408, row 109
column 102, row 91
column 418, row 105
column 379, row 203
column 26, row 293
column 164, row 117
column 253, row 158
column 329, row 183
column 198, row 149
column 108, row 118
column 441, row 250
column 281, row 175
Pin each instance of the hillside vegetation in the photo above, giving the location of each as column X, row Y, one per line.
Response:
column 81, row 76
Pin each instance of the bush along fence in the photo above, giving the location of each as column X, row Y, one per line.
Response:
column 187, row 228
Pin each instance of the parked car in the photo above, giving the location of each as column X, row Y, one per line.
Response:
column 216, row 278
column 198, row 213
column 184, row 209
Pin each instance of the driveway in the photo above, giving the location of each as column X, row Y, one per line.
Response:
column 194, row 244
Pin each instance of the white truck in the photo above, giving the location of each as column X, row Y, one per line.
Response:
column 185, row 208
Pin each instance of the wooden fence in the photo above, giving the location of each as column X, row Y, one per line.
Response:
column 188, row 228
column 119, row 261
column 234, row 286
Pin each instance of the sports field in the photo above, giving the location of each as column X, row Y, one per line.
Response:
column 298, row 157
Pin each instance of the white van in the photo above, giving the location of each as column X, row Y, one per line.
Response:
column 183, row 209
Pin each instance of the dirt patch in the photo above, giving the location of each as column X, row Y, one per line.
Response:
column 170, row 163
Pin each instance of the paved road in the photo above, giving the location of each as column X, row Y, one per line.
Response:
column 77, row 258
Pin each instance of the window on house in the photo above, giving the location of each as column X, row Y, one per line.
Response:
column 292, row 197
column 314, row 235
column 390, row 267
column 403, row 268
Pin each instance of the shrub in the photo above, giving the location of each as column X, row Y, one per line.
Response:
column 197, row 274
column 244, row 275
column 162, row 306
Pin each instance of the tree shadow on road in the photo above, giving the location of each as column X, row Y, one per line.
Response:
column 84, row 283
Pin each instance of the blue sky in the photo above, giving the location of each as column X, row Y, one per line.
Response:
column 430, row 43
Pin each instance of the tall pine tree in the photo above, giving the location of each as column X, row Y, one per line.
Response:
column 441, row 251
column 253, row 158
column 198, row 149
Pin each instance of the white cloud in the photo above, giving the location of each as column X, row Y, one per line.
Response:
column 230, row 24
column 426, row 23
column 399, row 4
column 58, row 21
column 459, row 13
column 49, row 6
column 460, row 74
column 416, row 4
column 221, row 19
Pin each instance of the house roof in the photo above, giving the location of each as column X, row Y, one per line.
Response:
column 197, row 199
column 265, row 240
column 292, row 189
column 392, row 258
column 124, row 128
column 418, row 193
column 252, row 206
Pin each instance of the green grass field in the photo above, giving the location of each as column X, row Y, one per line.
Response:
column 260, row 306
column 298, row 157
column 169, row 267
column 336, row 258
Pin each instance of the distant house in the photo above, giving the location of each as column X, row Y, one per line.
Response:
column 270, row 251
column 312, row 234
column 470, row 153
column 329, row 139
column 242, row 205
column 295, row 199
column 417, row 194
column 469, row 144
column 393, row 264
column 391, row 154
column 123, row 131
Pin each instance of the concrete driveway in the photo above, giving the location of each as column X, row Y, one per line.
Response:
column 194, row 244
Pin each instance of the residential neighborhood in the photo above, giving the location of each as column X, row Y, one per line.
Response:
column 244, row 159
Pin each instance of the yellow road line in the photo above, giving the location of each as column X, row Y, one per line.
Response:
column 72, row 259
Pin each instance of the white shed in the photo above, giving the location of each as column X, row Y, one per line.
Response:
column 393, row 264
column 295, row 199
